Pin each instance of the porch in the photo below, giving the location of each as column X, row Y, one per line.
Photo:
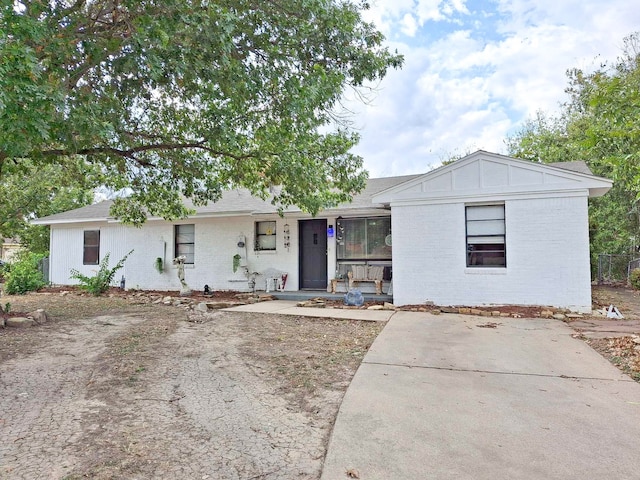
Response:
column 301, row 295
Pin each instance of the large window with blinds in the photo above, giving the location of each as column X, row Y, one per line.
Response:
column 486, row 246
column 364, row 238
column 185, row 236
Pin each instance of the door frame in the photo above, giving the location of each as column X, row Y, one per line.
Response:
column 301, row 253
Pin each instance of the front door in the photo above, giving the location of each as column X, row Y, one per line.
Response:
column 313, row 254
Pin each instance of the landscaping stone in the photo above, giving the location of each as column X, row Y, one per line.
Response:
column 202, row 307
column 559, row 316
column 449, row 309
column 375, row 307
column 20, row 322
column 39, row 316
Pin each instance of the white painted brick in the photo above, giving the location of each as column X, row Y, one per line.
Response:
column 547, row 256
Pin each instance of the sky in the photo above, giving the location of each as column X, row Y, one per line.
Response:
column 475, row 71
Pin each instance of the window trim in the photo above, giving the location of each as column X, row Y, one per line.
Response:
column 468, row 251
column 369, row 258
column 86, row 247
column 176, row 244
column 258, row 236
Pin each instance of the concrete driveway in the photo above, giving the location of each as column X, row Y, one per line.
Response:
column 449, row 397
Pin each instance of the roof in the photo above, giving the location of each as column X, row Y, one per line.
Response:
column 485, row 176
column 232, row 202
column 373, row 198
column 577, row 166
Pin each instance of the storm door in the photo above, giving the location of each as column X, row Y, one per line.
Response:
column 313, row 254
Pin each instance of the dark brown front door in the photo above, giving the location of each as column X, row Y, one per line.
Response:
column 313, row 254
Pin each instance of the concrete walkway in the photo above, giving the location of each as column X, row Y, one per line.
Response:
column 287, row 307
column 450, row 397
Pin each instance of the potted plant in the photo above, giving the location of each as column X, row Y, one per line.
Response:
column 159, row 265
column 236, row 262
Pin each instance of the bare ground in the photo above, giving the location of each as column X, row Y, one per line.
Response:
column 118, row 390
column 617, row 340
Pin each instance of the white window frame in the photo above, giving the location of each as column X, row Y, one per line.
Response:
column 485, row 236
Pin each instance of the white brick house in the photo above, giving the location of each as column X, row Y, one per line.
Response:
column 486, row 229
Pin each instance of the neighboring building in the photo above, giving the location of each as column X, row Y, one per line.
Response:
column 486, row 229
column 8, row 248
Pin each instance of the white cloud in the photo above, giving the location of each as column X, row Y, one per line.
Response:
column 409, row 25
column 467, row 89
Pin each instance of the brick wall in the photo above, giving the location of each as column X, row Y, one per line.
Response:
column 547, row 256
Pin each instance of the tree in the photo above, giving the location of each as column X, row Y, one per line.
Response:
column 189, row 97
column 29, row 191
column 600, row 124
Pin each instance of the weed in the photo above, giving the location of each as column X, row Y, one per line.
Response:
column 100, row 282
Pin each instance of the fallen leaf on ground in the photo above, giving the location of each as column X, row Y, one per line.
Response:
column 353, row 473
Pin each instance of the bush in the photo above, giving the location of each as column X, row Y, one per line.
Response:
column 24, row 275
column 634, row 278
column 99, row 283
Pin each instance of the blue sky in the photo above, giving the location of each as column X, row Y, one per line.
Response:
column 475, row 71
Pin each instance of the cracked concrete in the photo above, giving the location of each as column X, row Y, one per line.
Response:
column 441, row 397
column 91, row 399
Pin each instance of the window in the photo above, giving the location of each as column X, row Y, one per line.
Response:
column 486, row 236
column 364, row 238
column 91, row 247
column 265, row 236
column 185, row 236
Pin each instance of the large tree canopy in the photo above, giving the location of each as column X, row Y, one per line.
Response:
column 600, row 125
column 189, row 97
column 28, row 191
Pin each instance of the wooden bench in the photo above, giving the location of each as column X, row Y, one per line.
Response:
column 363, row 273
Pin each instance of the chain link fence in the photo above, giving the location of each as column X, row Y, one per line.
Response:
column 615, row 268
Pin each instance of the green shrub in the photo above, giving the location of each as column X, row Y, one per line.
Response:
column 634, row 278
column 100, row 282
column 24, row 274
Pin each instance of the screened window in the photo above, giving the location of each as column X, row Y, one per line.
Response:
column 185, row 236
column 91, row 247
column 486, row 236
column 265, row 236
column 364, row 238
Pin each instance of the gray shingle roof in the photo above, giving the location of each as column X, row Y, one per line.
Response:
column 577, row 166
column 238, row 201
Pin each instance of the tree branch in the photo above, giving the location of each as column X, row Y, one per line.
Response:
column 131, row 152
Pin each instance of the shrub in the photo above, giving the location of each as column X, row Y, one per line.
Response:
column 24, row 275
column 634, row 278
column 99, row 283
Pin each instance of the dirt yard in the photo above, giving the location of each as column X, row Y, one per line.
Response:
column 616, row 340
column 120, row 389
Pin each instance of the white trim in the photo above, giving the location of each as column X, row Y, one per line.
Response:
column 485, row 271
column 491, row 197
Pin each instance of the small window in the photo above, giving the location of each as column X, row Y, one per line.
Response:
column 185, row 236
column 91, row 247
column 486, row 236
column 265, row 236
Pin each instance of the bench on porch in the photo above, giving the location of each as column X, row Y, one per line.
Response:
column 363, row 273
